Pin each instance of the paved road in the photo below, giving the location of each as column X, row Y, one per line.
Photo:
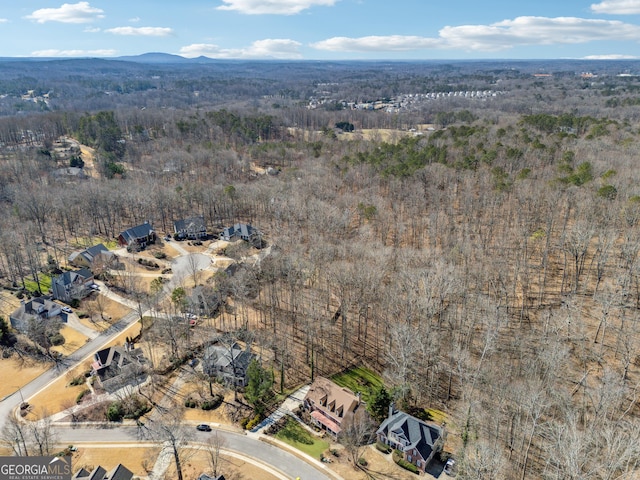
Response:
column 250, row 446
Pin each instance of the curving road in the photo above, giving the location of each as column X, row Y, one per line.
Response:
column 249, row 445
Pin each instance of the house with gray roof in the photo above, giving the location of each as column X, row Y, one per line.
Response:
column 120, row 472
column 38, row 308
column 137, row 237
column 118, row 366
column 192, row 227
column 240, row 231
column 228, row 363
column 72, row 285
column 85, row 258
column 419, row 441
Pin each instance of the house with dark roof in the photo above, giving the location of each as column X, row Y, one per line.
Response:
column 38, row 308
column 120, row 472
column 419, row 441
column 72, row 285
column 204, row 476
column 85, row 258
column 330, row 404
column 240, row 231
column 228, row 363
column 193, row 227
column 137, row 237
column 119, row 366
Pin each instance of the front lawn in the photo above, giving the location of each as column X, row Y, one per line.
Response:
column 297, row 436
column 359, row 379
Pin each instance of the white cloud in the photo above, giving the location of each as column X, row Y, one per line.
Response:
column 4, row 20
column 92, row 30
column 80, row 12
column 391, row 43
column 617, row 7
column 497, row 36
column 73, row 53
column 141, row 31
column 612, row 56
column 279, row 7
column 268, row 48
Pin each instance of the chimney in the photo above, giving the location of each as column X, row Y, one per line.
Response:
column 392, row 409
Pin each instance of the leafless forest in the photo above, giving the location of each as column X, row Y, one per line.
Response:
column 480, row 253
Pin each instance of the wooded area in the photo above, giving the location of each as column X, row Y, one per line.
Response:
column 480, row 254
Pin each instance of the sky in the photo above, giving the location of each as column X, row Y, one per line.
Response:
column 323, row 29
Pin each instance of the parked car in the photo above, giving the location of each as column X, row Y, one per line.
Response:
column 203, row 427
column 94, row 287
column 67, row 309
column 450, row 467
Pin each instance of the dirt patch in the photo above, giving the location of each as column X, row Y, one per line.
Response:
column 8, row 303
column 136, row 459
column 233, row 468
column 73, row 340
column 16, row 372
column 58, row 395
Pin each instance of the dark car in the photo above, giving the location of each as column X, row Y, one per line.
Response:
column 203, row 427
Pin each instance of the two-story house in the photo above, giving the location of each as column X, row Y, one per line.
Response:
column 38, row 308
column 193, row 227
column 330, row 405
column 138, row 237
column 72, row 285
column 228, row 363
column 419, row 441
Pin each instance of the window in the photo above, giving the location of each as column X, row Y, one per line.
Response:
column 418, row 464
column 409, row 458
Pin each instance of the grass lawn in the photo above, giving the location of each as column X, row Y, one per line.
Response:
column 45, row 283
column 297, row 436
column 359, row 379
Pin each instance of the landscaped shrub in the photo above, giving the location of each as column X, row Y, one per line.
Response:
column 79, row 380
column 81, row 395
column 212, row 404
column 190, row 403
column 56, row 339
column 383, row 448
column 114, row 412
column 74, row 303
column 362, row 462
column 398, row 458
column 159, row 255
column 253, row 422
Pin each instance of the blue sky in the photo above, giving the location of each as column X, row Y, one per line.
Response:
column 323, row 29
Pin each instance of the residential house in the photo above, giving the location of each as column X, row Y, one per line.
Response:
column 204, row 476
column 242, row 231
column 419, row 441
column 137, row 237
column 118, row 366
column 86, row 258
column 72, row 285
column 193, row 227
column 330, row 405
column 120, row 472
column 228, row 363
column 39, row 308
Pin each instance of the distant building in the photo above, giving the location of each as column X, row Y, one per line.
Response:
column 86, row 258
column 193, row 227
column 137, row 237
column 242, row 231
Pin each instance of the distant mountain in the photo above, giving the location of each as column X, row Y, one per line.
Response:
column 155, row 57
